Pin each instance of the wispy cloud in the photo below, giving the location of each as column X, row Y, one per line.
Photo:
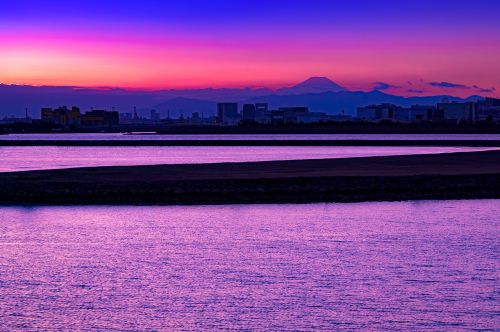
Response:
column 415, row 91
column 484, row 90
column 382, row 86
column 449, row 85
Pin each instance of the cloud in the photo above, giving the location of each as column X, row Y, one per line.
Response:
column 382, row 86
column 484, row 90
column 449, row 85
column 415, row 91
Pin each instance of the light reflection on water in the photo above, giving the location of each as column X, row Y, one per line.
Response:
column 23, row 158
column 398, row 265
column 139, row 137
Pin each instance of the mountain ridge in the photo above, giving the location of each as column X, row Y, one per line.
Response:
column 316, row 93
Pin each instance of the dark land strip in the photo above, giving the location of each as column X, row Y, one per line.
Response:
column 250, row 142
column 469, row 175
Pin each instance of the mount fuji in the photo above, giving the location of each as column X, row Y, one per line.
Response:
column 312, row 85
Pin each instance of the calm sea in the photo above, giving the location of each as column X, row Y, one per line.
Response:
column 370, row 266
column 23, row 158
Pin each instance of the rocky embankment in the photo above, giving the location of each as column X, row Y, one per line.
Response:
column 442, row 176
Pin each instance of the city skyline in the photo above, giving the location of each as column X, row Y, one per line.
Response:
column 410, row 49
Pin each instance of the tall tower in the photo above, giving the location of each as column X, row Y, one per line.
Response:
column 135, row 114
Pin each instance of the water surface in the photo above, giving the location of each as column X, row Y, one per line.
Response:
column 24, row 158
column 369, row 266
column 120, row 136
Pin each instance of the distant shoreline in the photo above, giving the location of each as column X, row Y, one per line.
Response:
column 470, row 175
column 276, row 130
column 325, row 128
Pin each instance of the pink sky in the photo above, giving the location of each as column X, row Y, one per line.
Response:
column 155, row 56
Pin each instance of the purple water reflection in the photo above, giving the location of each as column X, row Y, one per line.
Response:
column 150, row 136
column 21, row 158
column 369, row 266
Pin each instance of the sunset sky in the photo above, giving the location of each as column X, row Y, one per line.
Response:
column 400, row 47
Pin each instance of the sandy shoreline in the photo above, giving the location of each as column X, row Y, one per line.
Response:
column 440, row 176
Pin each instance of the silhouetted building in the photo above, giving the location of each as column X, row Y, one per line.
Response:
column 276, row 117
column 488, row 110
column 61, row 116
column 227, row 114
column 261, row 107
column 99, row 118
column 47, row 115
column 400, row 114
column 340, row 117
column 456, row 112
column 249, row 113
column 420, row 113
column 154, row 116
column 262, row 113
column 312, row 117
column 9, row 120
column 293, row 114
column 379, row 112
column 256, row 113
column 453, row 112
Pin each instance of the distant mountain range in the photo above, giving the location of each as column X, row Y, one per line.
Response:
column 318, row 93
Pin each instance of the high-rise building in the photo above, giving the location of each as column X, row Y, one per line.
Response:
column 47, row 115
column 99, row 118
column 456, row 112
column 261, row 107
column 401, row 114
column 420, row 113
column 249, row 112
column 61, row 116
column 379, row 112
column 73, row 116
column 488, row 110
column 262, row 114
column 291, row 114
column 227, row 114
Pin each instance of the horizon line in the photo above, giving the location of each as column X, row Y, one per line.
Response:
column 254, row 88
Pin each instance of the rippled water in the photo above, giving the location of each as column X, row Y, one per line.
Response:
column 369, row 266
column 23, row 158
column 119, row 136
